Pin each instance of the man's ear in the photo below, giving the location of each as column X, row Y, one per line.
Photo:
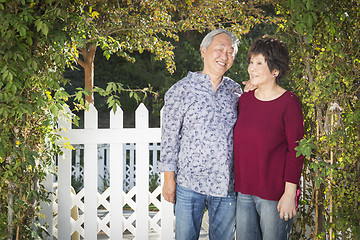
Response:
column 202, row 51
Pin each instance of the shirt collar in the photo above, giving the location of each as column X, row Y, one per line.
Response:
column 204, row 79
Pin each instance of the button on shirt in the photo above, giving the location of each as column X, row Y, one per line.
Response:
column 197, row 133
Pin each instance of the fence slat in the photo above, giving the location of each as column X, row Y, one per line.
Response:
column 90, row 177
column 91, row 118
column 90, row 185
column 64, row 202
column 142, row 193
column 167, row 217
column 116, row 179
column 142, row 175
column 117, row 119
column 116, row 191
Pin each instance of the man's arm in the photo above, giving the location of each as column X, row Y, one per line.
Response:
column 169, row 188
column 170, row 141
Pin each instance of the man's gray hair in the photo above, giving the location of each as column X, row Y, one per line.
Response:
column 210, row 37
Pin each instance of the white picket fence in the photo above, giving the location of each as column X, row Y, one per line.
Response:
column 92, row 215
column 129, row 166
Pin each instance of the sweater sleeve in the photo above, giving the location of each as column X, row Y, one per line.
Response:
column 294, row 130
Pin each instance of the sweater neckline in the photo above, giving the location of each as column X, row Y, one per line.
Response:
column 269, row 101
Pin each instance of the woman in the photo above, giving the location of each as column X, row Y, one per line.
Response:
column 269, row 126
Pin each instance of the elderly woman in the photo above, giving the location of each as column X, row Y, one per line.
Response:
column 269, row 126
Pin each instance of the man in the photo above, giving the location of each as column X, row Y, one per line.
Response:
column 197, row 142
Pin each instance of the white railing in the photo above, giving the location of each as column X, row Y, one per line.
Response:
column 122, row 208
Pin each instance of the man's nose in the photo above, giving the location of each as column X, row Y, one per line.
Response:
column 224, row 55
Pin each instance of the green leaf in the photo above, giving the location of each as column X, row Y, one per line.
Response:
column 111, row 103
column 38, row 25
column 110, row 99
column 109, row 87
column 45, row 29
column 13, row 88
column 309, row 20
column 29, row 41
column 10, row 76
column 34, row 65
column 5, row 74
column 22, row 32
column 107, row 54
column 4, row 69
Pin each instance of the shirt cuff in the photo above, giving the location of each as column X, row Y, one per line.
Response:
column 167, row 167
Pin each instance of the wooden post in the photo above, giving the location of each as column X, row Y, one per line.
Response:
column 87, row 63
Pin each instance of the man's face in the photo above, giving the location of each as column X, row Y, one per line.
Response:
column 219, row 56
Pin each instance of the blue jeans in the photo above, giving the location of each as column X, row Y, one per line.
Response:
column 258, row 219
column 189, row 211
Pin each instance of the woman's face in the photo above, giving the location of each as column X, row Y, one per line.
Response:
column 259, row 71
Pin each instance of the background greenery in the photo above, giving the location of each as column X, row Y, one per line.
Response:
column 41, row 41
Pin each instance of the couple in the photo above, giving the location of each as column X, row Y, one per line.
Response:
column 212, row 139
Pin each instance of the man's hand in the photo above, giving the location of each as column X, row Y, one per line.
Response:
column 248, row 86
column 169, row 188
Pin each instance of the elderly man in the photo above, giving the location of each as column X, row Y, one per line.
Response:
column 197, row 142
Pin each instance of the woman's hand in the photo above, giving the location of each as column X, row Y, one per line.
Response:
column 286, row 206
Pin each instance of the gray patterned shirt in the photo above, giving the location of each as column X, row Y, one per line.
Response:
column 197, row 133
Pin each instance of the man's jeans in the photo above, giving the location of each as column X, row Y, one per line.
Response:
column 258, row 219
column 189, row 211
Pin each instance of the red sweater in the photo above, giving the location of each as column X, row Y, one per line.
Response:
column 265, row 136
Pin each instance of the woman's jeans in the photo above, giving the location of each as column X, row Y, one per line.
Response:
column 189, row 211
column 258, row 219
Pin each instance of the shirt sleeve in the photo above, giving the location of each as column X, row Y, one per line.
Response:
column 172, row 120
column 294, row 130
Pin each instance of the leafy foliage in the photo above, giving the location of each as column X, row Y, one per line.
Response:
column 324, row 39
column 153, row 26
column 31, row 64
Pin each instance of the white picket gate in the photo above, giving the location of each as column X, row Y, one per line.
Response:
column 92, row 215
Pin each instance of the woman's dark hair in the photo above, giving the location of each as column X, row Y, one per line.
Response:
column 275, row 53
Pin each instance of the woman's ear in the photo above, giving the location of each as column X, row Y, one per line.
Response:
column 275, row 73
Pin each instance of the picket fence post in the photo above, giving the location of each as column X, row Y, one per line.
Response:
column 116, row 178
column 90, row 177
column 64, row 189
column 142, row 179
